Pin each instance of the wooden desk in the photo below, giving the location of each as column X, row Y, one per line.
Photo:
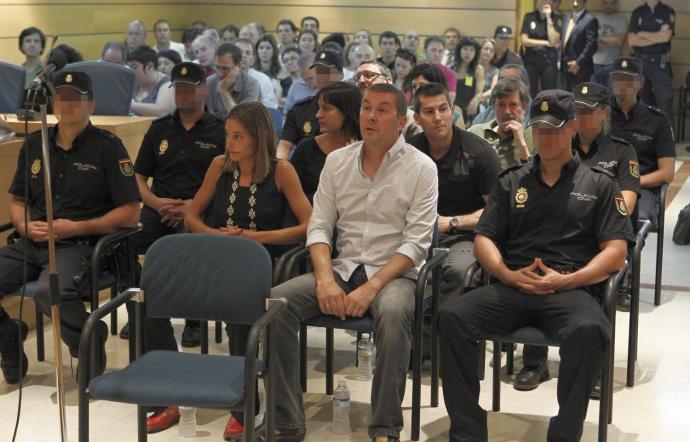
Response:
column 130, row 130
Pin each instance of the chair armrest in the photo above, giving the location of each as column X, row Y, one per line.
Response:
column 645, row 226
column 5, row 227
column 104, row 248
column 280, row 263
column 469, row 275
column 448, row 241
column 439, row 256
column 293, row 260
column 612, row 284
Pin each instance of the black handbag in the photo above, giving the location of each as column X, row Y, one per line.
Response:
column 681, row 233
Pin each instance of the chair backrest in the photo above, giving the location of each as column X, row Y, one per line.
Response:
column 12, row 78
column 277, row 118
column 113, row 85
column 206, row 277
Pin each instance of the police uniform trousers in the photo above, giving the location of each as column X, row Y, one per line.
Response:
column 574, row 318
column 393, row 314
column 658, row 82
column 542, row 71
column 648, row 206
column 72, row 258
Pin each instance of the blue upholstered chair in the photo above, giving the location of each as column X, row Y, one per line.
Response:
column 12, row 78
column 113, row 85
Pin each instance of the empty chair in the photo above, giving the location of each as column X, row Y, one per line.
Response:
column 12, row 79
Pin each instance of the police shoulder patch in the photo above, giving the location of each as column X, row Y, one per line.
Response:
column 620, row 205
column 509, row 169
column 604, row 171
column 126, row 167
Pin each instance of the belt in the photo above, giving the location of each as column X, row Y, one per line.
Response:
column 651, row 57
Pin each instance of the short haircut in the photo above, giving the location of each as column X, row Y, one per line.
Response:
column 452, row 29
column 290, row 23
column 430, row 90
column 400, row 102
column 246, row 42
column 331, row 46
column 382, row 67
column 389, row 34
column 171, row 55
column 508, row 86
column 406, row 54
column 433, row 39
column 230, row 49
column 117, row 45
column 189, row 34
column 309, row 17
column 210, row 40
column 259, row 27
column 31, row 31
column 158, row 22
column 337, row 38
column 347, row 99
column 230, row 28
column 258, row 122
column 144, row 55
column 290, row 49
column 430, row 72
column 313, row 34
column 524, row 76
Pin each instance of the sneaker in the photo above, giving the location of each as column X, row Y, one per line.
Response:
column 191, row 336
column 13, row 333
column 162, row 419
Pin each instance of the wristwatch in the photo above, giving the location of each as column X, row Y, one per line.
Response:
column 454, row 224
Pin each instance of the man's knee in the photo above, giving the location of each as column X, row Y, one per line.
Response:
column 591, row 331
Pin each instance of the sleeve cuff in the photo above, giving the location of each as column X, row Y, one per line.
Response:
column 413, row 252
column 317, row 237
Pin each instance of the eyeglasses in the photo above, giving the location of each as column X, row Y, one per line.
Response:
column 367, row 75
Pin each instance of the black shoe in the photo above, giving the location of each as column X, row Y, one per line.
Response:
column 530, row 377
column 124, row 332
column 11, row 352
column 596, row 390
column 623, row 302
column 191, row 335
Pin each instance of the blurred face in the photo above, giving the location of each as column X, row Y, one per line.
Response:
column 388, row 47
column 239, row 143
column 326, row 76
column 265, row 51
column 591, row 120
column 310, row 25
column 488, row 52
column 330, row 118
column 308, row 76
column 509, row 108
column 541, row 4
column 452, row 39
column 368, row 74
column 291, row 61
column 247, row 54
column 411, row 41
column 162, row 31
column 379, row 121
column 434, row 52
column 551, row 142
column 609, row 6
column 502, row 43
column 625, row 87
column 71, row 107
column 436, row 117
column 361, row 37
column 286, row 34
column 189, row 98
column 189, row 51
column 249, row 33
column 225, row 66
column 402, row 67
column 31, row 45
column 364, row 53
column 578, row 5
column 467, row 54
column 306, row 43
column 114, row 56
column 203, row 51
column 229, row 37
column 136, row 35
column 165, row 65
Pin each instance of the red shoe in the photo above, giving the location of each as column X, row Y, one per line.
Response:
column 162, row 419
column 234, row 430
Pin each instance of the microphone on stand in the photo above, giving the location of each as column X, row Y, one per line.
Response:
column 41, row 85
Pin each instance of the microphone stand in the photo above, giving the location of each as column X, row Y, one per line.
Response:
column 39, row 94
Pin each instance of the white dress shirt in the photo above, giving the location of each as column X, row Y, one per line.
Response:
column 268, row 95
column 393, row 213
column 174, row 46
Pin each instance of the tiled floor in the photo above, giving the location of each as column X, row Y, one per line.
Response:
column 656, row 409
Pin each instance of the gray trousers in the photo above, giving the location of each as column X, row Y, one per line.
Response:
column 459, row 258
column 393, row 314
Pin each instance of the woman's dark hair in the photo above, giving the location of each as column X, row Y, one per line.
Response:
column 274, row 68
column 347, row 99
column 30, row 31
column 189, row 34
column 313, row 34
column 230, row 28
column 71, row 54
column 468, row 41
column 290, row 23
column 144, row 55
column 337, row 38
column 430, row 72
column 171, row 55
column 406, row 54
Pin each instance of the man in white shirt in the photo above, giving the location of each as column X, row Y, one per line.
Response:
column 161, row 30
column 380, row 195
column 268, row 95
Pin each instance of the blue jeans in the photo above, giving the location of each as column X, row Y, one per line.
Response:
column 601, row 74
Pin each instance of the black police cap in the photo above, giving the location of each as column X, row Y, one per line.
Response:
column 187, row 72
column 591, row 95
column 626, row 65
column 503, row 31
column 330, row 59
column 554, row 107
column 79, row 81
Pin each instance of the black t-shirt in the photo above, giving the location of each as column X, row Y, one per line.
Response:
column 89, row 180
column 563, row 224
column 509, row 57
column 468, row 171
column 301, row 121
column 644, row 20
column 536, row 27
column 617, row 156
column 308, row 160
column 177, row 159
column 390, row 65
column 648, row 130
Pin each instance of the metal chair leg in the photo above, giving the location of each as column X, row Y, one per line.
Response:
column 204, row 337
column 303, row 357
column 113, row 315
column 496, row 392
column 329, row 361
column 482, row 360
column 510, row 356
column 659, row 260
column 634, row 321
column 141, row 423
column 219, row 332
column 40, row 339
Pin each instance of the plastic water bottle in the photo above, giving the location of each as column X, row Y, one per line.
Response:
column 341, row 409
column 187, row 421
column 365, row 357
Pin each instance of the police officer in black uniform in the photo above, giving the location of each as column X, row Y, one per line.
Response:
column 552, row 232
column 652, row 26
column 540, row 37
column 176, row 152
column 301, row 122
column 647, row 129
column 94, row 193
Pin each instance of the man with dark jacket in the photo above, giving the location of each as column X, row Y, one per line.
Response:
column 579, row 43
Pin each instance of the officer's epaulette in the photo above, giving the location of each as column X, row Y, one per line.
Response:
column 604, row 171
column 620, row 140
column 303, row 100
column 509, row 169
column 656, row 110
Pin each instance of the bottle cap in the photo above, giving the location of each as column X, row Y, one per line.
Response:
column 342, row 383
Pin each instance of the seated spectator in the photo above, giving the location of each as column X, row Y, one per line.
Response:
column 249, row 32
column 506, row 133
column 167, row 61
column 229, row 34
column 308, row 41
column 389, row 43
column 268, row 96
column 154, row 97
column 304, row 86
column 411, row 43
column 470, row 82
column 433, row 51
column 430, row 73
column 267, row 62
column 290, row 61
column 516, row 71
column 338, row 118
column 136, row 35
column 188, row 37
column 204, row 50
column 364, row 53
column 114, row 52
column 248, row 193
column 231, row 85
column 70, row 53
column 350, row 61
column 404, row 62
column 467, row 168
column 451, row 36
column 32, row 43
column 335, row 39
column 287, row 34
column 164, row 42
column 503, row 36
column 376, row 261
column 213, row 33
column 486, row 56
column 310, row 23
column 198, row 24
column 549, row 270
column 362, row 36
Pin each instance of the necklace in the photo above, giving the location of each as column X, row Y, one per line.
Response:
column 233, row 198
